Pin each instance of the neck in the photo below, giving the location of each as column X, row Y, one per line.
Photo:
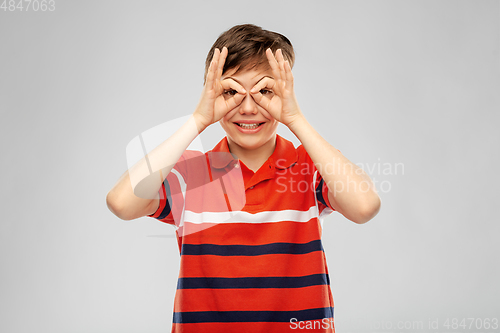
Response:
column 253, row 158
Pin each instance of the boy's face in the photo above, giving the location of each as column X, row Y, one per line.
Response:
column 249, row 125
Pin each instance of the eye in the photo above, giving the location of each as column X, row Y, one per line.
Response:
column 265, row 91
column 230, row 92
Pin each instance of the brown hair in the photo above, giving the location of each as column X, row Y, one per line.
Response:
column 247, row 45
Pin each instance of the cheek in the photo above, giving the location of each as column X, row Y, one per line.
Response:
column 226, row 126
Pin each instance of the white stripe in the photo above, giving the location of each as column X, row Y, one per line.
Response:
column 324, row 213
column 183, row 186
column 245, row 217
column 314, row 187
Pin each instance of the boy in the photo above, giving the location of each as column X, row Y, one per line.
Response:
column 248, row 214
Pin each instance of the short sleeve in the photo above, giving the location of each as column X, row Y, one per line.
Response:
column 164, row 211
column 322, row 192
column 320, row 186
column 173, row 188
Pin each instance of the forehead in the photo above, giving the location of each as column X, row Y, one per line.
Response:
column 250, row 75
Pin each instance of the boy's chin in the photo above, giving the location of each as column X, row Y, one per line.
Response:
column 252, row 142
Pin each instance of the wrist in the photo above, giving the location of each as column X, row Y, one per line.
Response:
column 296, row 123
column 200, row 122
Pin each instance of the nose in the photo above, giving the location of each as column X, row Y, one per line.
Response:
column 248, row 105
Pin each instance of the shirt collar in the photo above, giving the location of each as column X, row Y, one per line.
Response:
column 284, row 154
column 283, row 157
column 220, row 161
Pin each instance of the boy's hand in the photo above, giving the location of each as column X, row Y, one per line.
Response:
column 218, row 97
column 277, row 96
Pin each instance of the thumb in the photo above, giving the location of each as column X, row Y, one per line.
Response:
column 235, row 100
column 262, row 92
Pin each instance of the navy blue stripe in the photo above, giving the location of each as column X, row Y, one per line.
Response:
column 251, row 316
column 166, row 209
column 251, row 250
column 253, row 282
column 319, row 193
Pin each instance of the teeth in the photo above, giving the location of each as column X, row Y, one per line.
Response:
column 249, row 126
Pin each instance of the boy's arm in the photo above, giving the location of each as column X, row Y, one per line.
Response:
column 356, row 197
column 359, row 202
column 136, row 192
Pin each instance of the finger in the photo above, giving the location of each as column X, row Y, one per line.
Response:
column 264, row 102
column 221, row 62
column 263, row 99
column 265, row 83
column 231, row 112
column 273, row 63
column 211, row 70
column 231, row 84
column 210, row 76
column 289, row 75
column 260, row 99
column 283, row 71
column 234, row 101
column 281, row 62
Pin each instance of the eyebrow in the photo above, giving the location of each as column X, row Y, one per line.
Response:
column 232, row 78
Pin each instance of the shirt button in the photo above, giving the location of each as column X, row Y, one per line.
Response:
column 236, row 165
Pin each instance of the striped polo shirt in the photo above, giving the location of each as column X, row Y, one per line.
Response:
column 250, row 242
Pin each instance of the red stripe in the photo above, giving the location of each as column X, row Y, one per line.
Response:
column 252, row 299
column 244, row 328
column 255, row 233
column 251, row 266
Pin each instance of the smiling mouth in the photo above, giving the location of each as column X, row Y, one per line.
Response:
column 249, row 126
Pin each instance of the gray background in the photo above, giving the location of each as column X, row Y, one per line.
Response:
column 412, row 82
